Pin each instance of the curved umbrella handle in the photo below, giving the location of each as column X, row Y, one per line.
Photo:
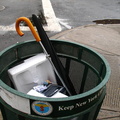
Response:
column 35, row 34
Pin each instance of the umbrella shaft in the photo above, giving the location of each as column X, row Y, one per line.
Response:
column 47, row 55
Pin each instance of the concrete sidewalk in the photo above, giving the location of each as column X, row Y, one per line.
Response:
column 106, row 40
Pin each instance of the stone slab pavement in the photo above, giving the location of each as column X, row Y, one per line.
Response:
column 105, row 39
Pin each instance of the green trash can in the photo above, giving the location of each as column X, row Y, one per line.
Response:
column 89, row 73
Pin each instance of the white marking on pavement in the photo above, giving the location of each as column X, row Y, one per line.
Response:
column 64, row 23
column 52, row 23
column 12, row 28
column 5, row 29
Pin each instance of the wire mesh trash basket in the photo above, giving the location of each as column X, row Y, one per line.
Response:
column 89, row 73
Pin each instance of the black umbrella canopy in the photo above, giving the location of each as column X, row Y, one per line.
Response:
column 54, row 58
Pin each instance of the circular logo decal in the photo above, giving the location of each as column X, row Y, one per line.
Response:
column 42, row 108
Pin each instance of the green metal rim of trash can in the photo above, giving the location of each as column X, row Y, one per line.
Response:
column 86, row 102
column 95, row 89
column 63, row 117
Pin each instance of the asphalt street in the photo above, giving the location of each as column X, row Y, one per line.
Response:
column 12, row 10
column 69, row 13
column 82, row 12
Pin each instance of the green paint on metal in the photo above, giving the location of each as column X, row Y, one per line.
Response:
column 91, row 66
